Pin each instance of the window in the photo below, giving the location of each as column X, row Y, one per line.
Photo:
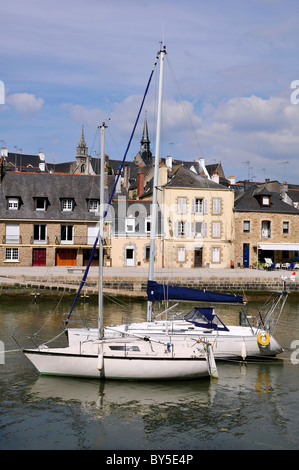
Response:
column 198, row 229
column 265, row 201
column 216, row 229
column 66, row 234
column 216, row 205
column 147, row 253
column 285, row 227
column 40, row 204
column 13, row 203
column 181, row 229
column 199, row 206
column 92, row 232
column 11, row 254
column 93, row 205
column 216, row 255
column 182, row 205
column 39, row 233
column 246, row 226
column 181, row 254
column 147, row 225
column 12, row 233
column 266, row 229
column 67, row 205
column 130, row 224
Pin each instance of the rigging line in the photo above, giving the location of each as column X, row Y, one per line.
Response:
column 188, row 118
column 113, row 191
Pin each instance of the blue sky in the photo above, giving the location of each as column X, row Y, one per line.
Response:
column 229, row 69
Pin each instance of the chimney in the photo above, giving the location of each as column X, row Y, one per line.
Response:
column 169, row 163
column 215, row 177
column 202, row 167
column 140, row 181
column 232, row 180
column 126, row 176
column 4, row 152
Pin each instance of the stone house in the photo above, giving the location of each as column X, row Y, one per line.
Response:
column 267, row 227
column 48, row 219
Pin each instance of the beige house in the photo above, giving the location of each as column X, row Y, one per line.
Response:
column 197, row 215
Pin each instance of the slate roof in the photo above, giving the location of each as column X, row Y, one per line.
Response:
column 27, row 186
column 186, row 178
column 249, row 202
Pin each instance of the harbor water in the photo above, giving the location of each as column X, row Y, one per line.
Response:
column 252, row 406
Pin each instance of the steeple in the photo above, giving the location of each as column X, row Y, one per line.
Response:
column 145, row 151
column 82, row 155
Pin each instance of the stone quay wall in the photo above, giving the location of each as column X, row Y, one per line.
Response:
column 128, row 284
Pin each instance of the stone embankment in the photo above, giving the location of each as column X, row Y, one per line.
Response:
column 43, row 281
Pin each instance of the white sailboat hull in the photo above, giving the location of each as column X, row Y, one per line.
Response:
column 94, row 359
column 238, row 342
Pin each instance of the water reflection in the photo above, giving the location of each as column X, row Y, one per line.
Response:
column 252, row 406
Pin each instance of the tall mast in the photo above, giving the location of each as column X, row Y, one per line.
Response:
column 101, row 231
column 154, row 210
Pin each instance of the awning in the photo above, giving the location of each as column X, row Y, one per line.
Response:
column 279, row 246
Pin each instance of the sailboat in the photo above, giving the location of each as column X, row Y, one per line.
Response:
column 251, row 339
column 131, row 356
column 244, row 341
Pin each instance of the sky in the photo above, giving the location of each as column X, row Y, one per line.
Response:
column 231, row 86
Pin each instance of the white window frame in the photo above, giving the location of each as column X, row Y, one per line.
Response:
column 68, row 231
column 42, row 206
column 266, row 229
column 11, row 254
column 39, row 240
column 130, row 224
column 148, row 224
column 67, row 205
column 93, row 205
column 181, row 228
column 13, row 204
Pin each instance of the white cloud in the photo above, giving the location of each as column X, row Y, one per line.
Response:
column 25, row 102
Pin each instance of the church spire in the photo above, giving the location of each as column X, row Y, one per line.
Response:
column 82, row 142
column 145, row 151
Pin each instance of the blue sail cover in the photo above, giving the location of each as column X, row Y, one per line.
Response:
column 159, row 292
column 205, row 318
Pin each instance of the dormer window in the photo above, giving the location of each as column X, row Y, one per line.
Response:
column 13, row 203
column 266, row 201
column 40, row 203
column 93, row 205
column 67, row 205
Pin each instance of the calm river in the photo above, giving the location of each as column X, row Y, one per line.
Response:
column 251, row 406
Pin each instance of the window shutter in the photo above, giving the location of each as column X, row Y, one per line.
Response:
column 205, row 206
